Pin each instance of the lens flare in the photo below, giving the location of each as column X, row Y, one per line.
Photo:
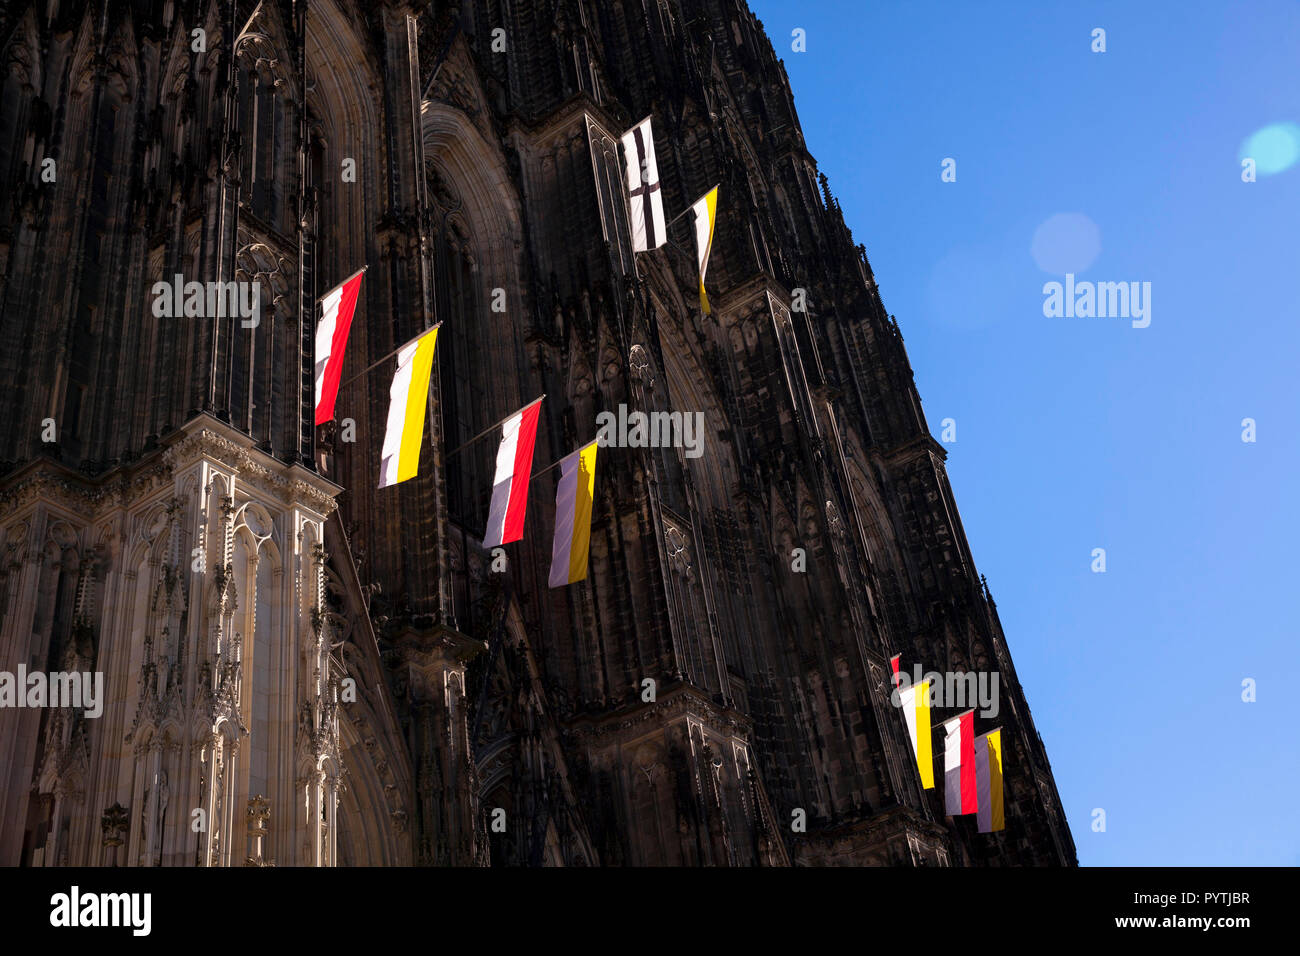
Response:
column 1066, row 242
column 1274, row 148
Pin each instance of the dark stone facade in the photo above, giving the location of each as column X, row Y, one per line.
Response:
column 486, row 176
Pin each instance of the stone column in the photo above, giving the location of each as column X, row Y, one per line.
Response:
column 433, row 662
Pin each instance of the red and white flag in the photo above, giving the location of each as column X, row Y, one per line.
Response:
column 510, row 485
column 960, row 794
column 337, row 307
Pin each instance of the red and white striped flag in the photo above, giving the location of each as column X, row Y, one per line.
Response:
column 337, row 307
column 510, row 485
column 960, row 794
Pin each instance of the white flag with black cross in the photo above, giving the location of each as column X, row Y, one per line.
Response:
column 647, row 201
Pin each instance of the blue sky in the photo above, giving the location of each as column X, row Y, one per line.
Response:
column 1083, row 433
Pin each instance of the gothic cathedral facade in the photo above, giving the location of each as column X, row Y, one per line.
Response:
column 300, row 668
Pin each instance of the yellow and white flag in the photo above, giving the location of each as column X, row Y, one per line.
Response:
column 988, row 781
column 573, row 501
column 408, row 398
column 706, row 211
column 915, row 704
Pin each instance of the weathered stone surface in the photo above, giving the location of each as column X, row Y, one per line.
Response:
column 231, row 569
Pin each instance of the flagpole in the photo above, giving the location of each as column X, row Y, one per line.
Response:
column 634, row 126
column 952, row 718
column 556, row 464
column 550, row 467
column 346, row 281
column 690, row 208
column 491, row 428
column 385, row 358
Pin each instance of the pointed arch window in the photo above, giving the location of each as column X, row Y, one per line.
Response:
column 267, row 117
column 608, row 175
column 465, row 407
